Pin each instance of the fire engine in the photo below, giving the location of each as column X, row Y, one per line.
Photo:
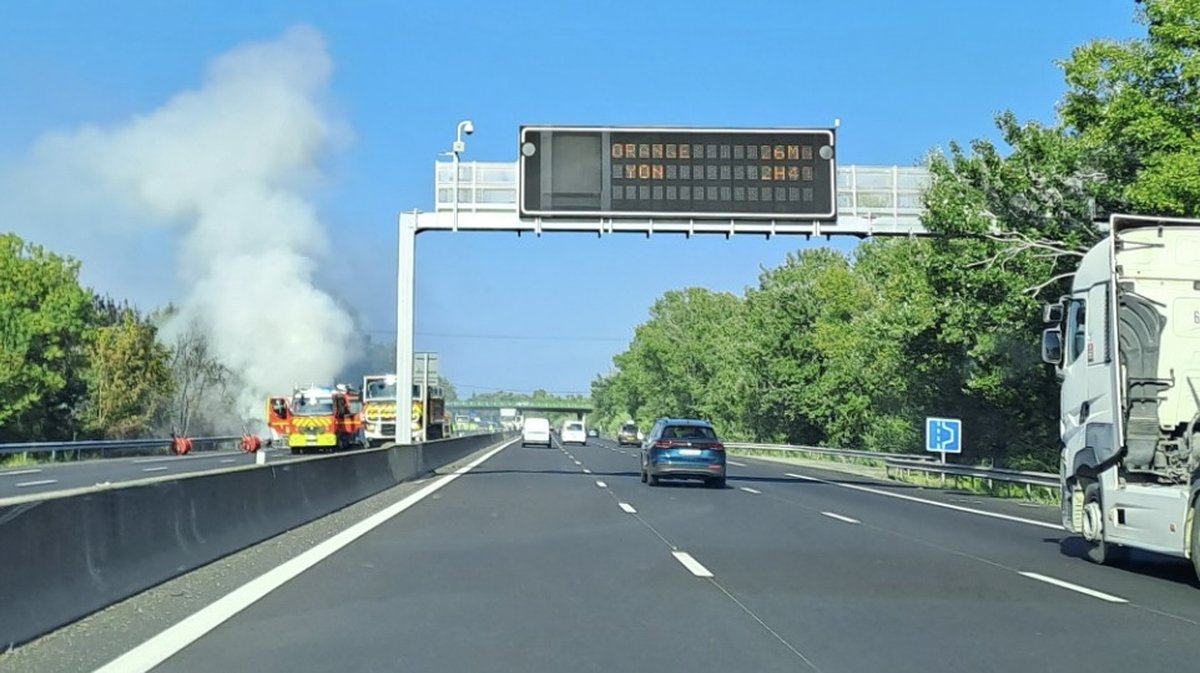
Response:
column 379, row 410
column 322, row 418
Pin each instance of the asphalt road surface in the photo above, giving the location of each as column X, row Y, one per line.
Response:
column 52, row 477
column 561, row 560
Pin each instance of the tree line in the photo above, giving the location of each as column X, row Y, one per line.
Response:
column 855, row 350
column 76, row 365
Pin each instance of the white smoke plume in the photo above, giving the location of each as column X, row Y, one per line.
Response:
column 229, row 168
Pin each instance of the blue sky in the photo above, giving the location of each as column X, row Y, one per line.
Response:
column 903, row 77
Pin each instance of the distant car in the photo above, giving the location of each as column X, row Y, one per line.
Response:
column 573, row 433
column 629, row 435
column 536, row 431
column 682, row 448
column 593, row 432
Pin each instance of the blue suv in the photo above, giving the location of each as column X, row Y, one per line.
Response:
column 680, row 448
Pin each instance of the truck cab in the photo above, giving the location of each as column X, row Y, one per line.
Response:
column 1126, row 345
column 323, row 419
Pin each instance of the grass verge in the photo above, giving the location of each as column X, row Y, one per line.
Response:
column 18, row 460
column 877, row 469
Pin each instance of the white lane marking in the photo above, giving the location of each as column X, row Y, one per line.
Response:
column 691, row 564
column 839, row 517
column 164, row 459
column 1074, row 587
column 586, row 471
column 957, row 508
column 747, row 489
column 734, row 462
column 628, row 508
column 19, row 472
column 40, row 482
column 155, row 469
column 162, row 646
column 601, row 484
column 577, row 462
column 228, row 460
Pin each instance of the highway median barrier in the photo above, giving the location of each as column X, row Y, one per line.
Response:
column 67, row 555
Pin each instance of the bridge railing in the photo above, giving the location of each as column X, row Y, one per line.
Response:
column 891, row 193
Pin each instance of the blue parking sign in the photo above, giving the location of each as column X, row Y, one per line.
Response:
column 943, row 435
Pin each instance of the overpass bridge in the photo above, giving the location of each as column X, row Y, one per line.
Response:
column 570, row 406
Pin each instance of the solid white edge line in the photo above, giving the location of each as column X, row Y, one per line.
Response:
column 601, row 484
column 839, row 517
column 40, row 482
column 751, row 490
column 161, row 647
column 944, row 505
column 1073, row 587
column 155, row 469
column 734, row 462
column 691, row 564
column 627, row 508
column 15, row 473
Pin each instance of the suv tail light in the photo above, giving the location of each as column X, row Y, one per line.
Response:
column 717, row 447
column 663, row 444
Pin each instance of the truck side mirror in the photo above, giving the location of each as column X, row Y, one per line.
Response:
column 1052, row 346
column 1052, row 314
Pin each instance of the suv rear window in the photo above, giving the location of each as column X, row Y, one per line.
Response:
column 629, row 427
column 575, row 426
column 688, row 432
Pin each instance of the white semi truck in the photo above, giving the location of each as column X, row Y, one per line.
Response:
column 1126, row 346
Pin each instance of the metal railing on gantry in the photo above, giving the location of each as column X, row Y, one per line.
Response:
column 872, row 201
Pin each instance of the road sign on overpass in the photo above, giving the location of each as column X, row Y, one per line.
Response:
column 721, row 174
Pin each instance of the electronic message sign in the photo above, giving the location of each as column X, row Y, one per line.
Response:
column 678, row 173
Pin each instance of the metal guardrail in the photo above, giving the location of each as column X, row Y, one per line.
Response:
column 1029, row 480
column 906, row 463
column 102, row 446
column 821, row 450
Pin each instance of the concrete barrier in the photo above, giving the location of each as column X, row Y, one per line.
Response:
column 68, row 555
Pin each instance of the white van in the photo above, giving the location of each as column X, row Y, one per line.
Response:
column 573, row 432
column 536, row 431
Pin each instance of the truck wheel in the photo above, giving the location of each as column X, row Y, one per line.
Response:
column 1099, row 551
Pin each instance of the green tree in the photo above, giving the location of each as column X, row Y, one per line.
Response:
column 129, row 378
column 787, row 363
column 1017, row 220
column 686, row 361
column 1133, row 106
column 44, row 317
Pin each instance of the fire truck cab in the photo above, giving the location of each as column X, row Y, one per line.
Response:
column 325, row 419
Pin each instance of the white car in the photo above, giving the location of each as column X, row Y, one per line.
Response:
column 536, row 431
column 573, row 432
